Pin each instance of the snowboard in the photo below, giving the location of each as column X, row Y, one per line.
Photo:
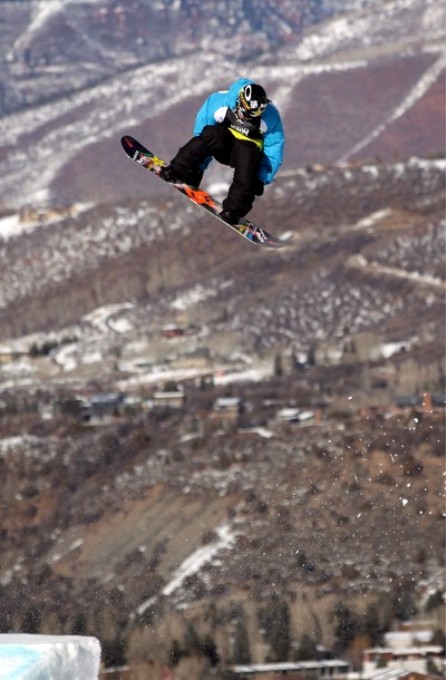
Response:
column 244, row 227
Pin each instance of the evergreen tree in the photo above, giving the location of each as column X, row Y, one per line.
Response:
column 176, row 653
column 113, row 652
column 433, row 669
column 209, row 649
column 242, row 653
column 307, row 650
column 32, row 621
column 275, row 621
column 435, row 600
column 79, row 626
column 346, row 628
column 372, row 625
column 192, row 642
column 278, row 366
column 403, row 604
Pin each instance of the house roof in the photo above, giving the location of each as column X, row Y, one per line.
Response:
column 291, row 666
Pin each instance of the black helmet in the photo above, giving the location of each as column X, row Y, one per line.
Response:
column 251, row 101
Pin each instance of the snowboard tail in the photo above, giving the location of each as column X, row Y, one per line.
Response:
column 244, row 227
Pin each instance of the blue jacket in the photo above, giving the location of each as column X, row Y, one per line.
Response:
column 273, row 138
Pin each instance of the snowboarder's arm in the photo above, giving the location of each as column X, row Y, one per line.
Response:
column 220, row 114
column 210, row 112
column 274, row 141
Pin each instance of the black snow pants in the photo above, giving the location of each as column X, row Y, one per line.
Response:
column 244, row 156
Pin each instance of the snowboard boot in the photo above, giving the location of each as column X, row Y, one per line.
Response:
column 173, row 173
column 229, row 217
column 168, row 174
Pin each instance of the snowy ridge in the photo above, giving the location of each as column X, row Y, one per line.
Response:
column 427, row 80
column 372, row 28
column 42, row 13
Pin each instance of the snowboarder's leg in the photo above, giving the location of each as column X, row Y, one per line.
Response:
column 214, row 141
column 246, row 160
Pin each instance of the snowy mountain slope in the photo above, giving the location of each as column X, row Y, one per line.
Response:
column 53, row 134
column 398, row 24
column 73, row 140
column 44, row 40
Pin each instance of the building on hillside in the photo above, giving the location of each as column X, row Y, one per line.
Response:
column 7, row 355
column 295, row 415
column 407, row 401
column 363, row 346
column 171, row 396
column 413, row 659
column 173, row 331
column 121, row 673
column 438, row 399
column 304, row 670
column 105, row 405
column 226, row 411
column 200, row 358
column 399, row 674
column 408, row 650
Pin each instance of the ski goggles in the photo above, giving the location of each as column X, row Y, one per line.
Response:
column 252, row 108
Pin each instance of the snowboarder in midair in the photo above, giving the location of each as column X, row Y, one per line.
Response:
column 239, row 127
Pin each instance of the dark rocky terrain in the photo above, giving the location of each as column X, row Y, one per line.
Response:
column 97, row 521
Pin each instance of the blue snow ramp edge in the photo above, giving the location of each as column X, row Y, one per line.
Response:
column 49, row 657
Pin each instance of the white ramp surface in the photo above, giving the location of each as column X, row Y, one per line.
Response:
column 49, row 657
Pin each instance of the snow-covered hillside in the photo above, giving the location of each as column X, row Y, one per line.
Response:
column 101, row 287
column 54, row 46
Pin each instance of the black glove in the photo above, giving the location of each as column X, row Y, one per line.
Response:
column 258, row 189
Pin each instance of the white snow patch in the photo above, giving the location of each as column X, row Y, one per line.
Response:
column 101, row 317
column 65, row 357
column 91, row 357
column 251, row 375
column 76, row 544
column 192, row 297
column 159, row 374
column 10, row 226
column 372, row 219
column 195, row 562
column 9, row 444
column 13, row 225
column 120, row 325
column 39, row 657
column 260, row 431
column 390, row 348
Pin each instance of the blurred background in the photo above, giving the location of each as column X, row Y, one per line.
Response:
column 214, row 456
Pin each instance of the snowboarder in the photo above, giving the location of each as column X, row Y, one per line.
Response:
column 239, row 127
